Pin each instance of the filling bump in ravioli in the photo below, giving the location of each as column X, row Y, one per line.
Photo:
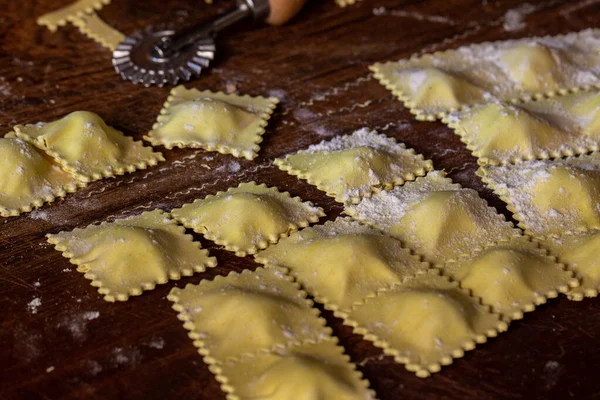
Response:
column 437, row 88
column 434, row 217
column 86, row 146
column 550, row 198
column 220, row 122
column 354, row 166
column 533, row 66
column 512, row 277
column 309, row 372
column 29, row 177
column 425, row 322
column 127, row 256
column 247, row 218
column 342, row 262
column 248, row 313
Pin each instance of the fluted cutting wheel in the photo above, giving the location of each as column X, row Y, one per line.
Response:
column 135, row 60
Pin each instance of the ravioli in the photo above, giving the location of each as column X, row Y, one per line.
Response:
column 550, row 198
column 125, row 257
column 435, row 84
column 351, row 167
column 580, row 252
column 434, row 217
column 512, row 277
column 434, row 88
column 425, row 322
column 247, row 218
column 29, row 178
column 242, row 315
column 226, row 123
column 84, row 145
column 307, row 372
column 341, row 263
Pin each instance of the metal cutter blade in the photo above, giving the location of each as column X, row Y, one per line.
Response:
column 156, row 56
column 135, row 59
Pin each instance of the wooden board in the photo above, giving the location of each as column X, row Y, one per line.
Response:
column 317, row 66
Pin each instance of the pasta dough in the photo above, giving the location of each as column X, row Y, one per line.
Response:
column 513, row 277
column 351, row 167
column 72, row 12
column 435, row 84
column 220, row 122
column 29, row 178
column 342, row 262
column 247, row 218
column 500, row 133
column 125, row 257
column 307, row 372
column 550, row 198
column 85, row 146
column 425, row 322
column 219, row 313
column 435, row 218
column 580, row 252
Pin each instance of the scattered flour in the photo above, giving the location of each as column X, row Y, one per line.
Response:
column 34, row 304
column 156, row 343
column 50, row 369
column 514, row 19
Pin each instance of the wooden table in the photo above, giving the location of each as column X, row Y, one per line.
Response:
column 76, row 346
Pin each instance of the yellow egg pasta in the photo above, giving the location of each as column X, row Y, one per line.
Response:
column 83, row 144
column 127, row 256
column 351, row 167
column 247, row 218
column 243, row 315
column 70, row 13
column 435, row 84
column 502, row 133
column 304, row 372
column 434, row 217
column 341, row 263
column 550, row 198
column 29, row 177
column 513, row 276
column 579, row 251
column 425, row 322
column 225, row 123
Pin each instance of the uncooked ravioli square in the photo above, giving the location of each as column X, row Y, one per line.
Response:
column 245, row 314
column 425, row 322
column 504, row 133
column 434, row 217
column 550, row 198
column 247, row 218
column 127, row 256
column 512, row 276
column 83, row 144
column 354, row 166
column 226, row 123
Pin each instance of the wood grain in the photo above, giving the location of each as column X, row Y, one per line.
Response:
column 317, row 65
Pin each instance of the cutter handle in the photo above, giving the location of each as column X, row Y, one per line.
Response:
column 284, row 10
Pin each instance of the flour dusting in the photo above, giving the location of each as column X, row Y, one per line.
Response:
column 34, row 304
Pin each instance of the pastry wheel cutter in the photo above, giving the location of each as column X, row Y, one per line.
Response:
column 159, row 56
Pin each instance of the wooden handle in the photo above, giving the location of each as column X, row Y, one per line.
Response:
column 284, row 10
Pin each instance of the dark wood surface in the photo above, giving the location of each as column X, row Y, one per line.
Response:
column 316, row 65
